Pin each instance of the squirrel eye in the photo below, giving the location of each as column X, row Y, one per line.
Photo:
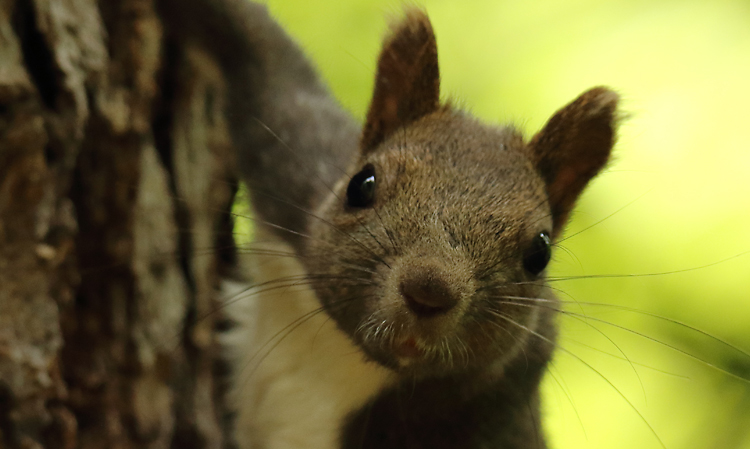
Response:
column 361, row 189
column 538, row 253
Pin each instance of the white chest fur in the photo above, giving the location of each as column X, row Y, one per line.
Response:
column 297, row 376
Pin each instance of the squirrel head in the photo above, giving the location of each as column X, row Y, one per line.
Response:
column 445, row 224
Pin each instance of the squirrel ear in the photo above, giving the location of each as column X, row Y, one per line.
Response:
column 573, row 146
column 407, row 85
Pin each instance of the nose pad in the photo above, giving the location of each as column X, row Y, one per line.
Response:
column 427, row 291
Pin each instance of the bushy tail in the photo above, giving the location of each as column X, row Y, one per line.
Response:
column 292, row 137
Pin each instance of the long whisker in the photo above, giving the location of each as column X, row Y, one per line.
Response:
column 278, row 337
column 568, row 252
column 310, row 255
column 386, row 230
column 662, row 273
column 640, row 381
column 268, row 286
column 284, row 332
column 605, row 218
column 583, row 318
column 502, row 285
column 301, row 163
column 567, row 394
column 625, row 398
column 649, row 314
column 642, row 335
column 276, row 284
column 323, row 220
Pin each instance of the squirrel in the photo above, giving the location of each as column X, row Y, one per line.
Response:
column 397, row 296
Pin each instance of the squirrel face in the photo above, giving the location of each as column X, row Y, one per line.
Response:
column 426, row 265
column 444, row 221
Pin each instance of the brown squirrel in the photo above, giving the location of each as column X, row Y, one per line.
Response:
column 406, row 314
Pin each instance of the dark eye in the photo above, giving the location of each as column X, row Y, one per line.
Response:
column 361, row 189
column 537, row 255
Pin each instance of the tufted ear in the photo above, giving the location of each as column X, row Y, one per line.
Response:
column 407, row 85
column 573, row 147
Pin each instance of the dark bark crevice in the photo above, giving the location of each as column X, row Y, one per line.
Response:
column 8, row 432
column 37, row 56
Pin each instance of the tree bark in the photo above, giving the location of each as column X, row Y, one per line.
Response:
column 115, row 189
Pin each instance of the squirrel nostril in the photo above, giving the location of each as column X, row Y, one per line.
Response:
column 425, row 295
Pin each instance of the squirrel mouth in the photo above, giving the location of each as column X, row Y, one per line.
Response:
column 408, row 349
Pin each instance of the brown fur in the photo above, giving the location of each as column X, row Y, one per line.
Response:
column 574, row 146
column 407, row 85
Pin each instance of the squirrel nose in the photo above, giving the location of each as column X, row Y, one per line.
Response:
column 426, row 290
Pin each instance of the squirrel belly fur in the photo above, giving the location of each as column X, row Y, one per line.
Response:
column 398, row 295
column 292, row 388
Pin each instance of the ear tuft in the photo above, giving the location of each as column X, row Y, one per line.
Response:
column 573, row 147
column 407, row 84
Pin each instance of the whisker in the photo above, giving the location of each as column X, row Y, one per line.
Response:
column 649, row 314
column 569, row 253
column 386, row 230
column 322, row 220
column 642, row 365
column 265, row 287
column 605, row 218
column 662, row 273
column 642, row 335
column 543, row 338
column 277, row 338
column 583, row 318
column 619, row 349
column 268, row 286
column 325, row 184
column 567, row 394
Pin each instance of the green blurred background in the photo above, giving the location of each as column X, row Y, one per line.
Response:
column 678, row 191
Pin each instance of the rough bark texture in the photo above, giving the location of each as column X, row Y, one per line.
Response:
column 114, row 191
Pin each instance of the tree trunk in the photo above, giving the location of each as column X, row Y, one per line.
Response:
column 114, row 192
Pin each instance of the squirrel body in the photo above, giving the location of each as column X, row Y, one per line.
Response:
column 399, row 298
